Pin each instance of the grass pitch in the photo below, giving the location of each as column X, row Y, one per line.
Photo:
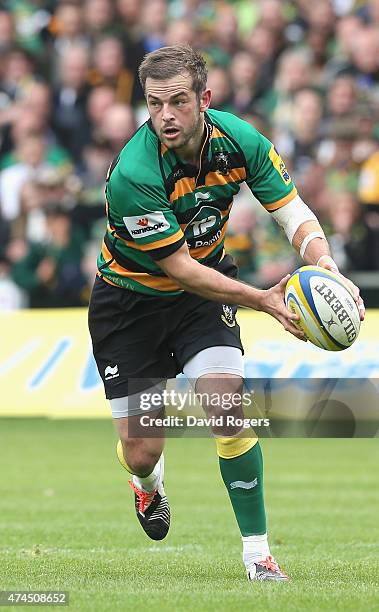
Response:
column 67, row 523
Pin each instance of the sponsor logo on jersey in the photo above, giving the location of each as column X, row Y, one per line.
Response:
column 152, row 223
column 204, row 243
column 228, row 317
column 111, row 372
column 279, row 165
column 201, row 226
column 202, row 196
column 205, row 218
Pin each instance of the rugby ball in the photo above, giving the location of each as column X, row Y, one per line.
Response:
column 328, row 313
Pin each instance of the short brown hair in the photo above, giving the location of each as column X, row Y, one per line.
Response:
column 168, row 62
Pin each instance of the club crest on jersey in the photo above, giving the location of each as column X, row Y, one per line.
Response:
column 222, row 163
column 227, row 317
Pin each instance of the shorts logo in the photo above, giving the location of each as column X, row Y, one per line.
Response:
column 228, row 317
column 152, row 223
column 111, row 372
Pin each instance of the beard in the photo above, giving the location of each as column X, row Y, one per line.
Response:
column 186, row 136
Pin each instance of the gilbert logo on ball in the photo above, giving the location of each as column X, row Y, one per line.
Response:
column 328, row 313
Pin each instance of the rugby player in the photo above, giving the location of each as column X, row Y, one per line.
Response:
column 165, row 297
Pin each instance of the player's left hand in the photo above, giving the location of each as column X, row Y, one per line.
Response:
column 327, row 263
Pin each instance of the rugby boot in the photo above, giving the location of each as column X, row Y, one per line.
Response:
column 267, row 569
column 152, row 509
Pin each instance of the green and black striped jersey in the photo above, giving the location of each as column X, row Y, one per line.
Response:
column 155, row 201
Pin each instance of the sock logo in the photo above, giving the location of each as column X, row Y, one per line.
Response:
column 241, row 484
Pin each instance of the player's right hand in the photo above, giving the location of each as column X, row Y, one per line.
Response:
column 272, row 302
column 329, row 264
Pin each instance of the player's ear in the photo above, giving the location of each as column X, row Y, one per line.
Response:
column 205, row 100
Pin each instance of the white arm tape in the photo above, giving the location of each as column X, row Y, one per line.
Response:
column 292, row 215
column 307, row 240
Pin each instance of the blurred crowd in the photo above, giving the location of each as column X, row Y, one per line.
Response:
column 306, row 74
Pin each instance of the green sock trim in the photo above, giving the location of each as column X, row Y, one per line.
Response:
column 243, row 478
